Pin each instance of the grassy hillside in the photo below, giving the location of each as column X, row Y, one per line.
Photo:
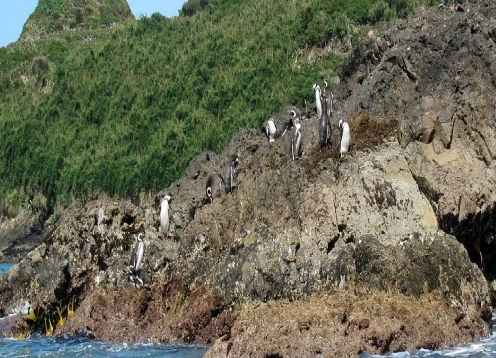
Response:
column 123, row 109
column 59, row 15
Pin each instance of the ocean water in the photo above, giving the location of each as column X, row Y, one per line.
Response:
column 84, row 347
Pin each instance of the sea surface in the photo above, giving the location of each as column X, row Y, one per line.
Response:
column 84, row 347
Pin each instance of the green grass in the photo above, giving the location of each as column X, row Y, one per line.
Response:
column 123, row 110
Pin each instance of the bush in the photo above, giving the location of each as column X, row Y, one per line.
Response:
column 39, row 68
column 191, row 7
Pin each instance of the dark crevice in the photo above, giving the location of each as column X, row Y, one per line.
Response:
column 63, row 288
column 128, row 219
column 331, row 244
column 478, row 234
column 102, row 266
column 423, row 184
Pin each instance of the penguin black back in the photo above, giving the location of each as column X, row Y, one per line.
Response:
column 324, row 130
column 230, row 173
column 214, row 186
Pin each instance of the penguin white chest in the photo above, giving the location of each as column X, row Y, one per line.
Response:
column 164, row 216
column 138, row 255
column 318, row 102
column 271, row 129
column 345, row 138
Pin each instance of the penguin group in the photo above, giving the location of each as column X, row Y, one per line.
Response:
column 324, row 106
column 218, row 185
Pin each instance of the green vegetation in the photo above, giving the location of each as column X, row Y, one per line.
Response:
column 57, row 15
column 123, row 109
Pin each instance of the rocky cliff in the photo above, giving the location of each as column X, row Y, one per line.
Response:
column 388, row 249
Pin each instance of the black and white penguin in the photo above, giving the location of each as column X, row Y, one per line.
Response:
column 345, row 137
column 307, row 111
column 329, row 96
column 214, row 187
column 296, row 147
column 270, row 130
column 318, row 103
column 324, row 123
column 230, row 173
column 136, row 262
column 164, row 215
column 293, row 117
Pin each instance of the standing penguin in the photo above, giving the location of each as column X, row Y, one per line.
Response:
column 318, row 103
column 296, row 148
column 324, row 125
column 164, row 215
column 329, row 96
column 270, row 129
column 345, row 137
column 307, row 111
column 230, row 174
column 214, row 187
column 136, row 262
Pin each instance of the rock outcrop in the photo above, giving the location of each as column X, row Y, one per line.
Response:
column 435, row 73
column 361, row 254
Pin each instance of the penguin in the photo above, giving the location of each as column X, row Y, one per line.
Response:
column 230, row 174
column 270, row 129
column 214, row 187
column 307, row 111
column 329, row 96
column 136, row 262
column 164, row 215
column 296, row 149
column 345, row 137
column 318, row 103
column 324, row 123
column 293, row 116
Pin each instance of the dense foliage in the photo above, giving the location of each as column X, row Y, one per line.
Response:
column 123, row 110
column 58, row 15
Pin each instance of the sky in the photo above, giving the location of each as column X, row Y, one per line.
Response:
column 14, row 13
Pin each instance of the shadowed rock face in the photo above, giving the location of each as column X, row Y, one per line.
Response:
column 435, row 72
column 363, row 248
